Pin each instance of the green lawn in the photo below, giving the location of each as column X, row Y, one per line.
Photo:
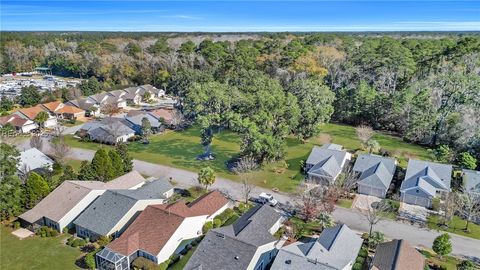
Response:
column 456, row 225
column 448, row 262
column 183, row 261
column 35, row 252
column 345, row 203
column 179, row 149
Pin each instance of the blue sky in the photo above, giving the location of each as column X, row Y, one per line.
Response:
column 233, row 16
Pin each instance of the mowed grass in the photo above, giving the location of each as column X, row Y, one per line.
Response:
column 183, row 261
column 456, row 226
column 35, row 252
column 180, row 148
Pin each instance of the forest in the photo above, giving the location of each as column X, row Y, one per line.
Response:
column 423, row 87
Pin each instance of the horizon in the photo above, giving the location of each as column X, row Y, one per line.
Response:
column 241, row 17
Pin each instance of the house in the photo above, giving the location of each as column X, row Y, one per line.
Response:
column 166, row 116
column 155, row 92
column 34, row 160
column 471, row 181
column 132, row 95
column 109, row 130
column 424, row 181
column 63, row 111
column 135, row 122
column 98, row 99
column 157, row 232
column 246, row 244
column 375, row 173
column 116, row 101
column 90, row 108
column 325, row 163
column 19, row 123
column 397, row 255
column 31, row 113
column 336, row 248
column 115, row 209
column 67, row 201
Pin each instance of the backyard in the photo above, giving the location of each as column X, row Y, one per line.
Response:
column 35, row 252
column 179, row 149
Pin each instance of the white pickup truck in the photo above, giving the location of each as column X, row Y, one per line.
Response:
column 264, row 198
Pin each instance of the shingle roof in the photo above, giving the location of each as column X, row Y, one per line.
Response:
column 137, row 120
column 107, row 211
column 82, row 103
column 433, row 174
column 326, row 160
column 209, row 203
column 375, row 170
column 69, row 109
column 397, row 255
column 105, row 129
column 154, row 226
column 32, row 159
column 61, row 200
column 165, row 114
column 233, row 246
column 472, row 181
column 32, row 112
column 52, row 106
column 335, row 247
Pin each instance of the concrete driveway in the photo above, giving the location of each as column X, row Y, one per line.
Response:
column 364, row 202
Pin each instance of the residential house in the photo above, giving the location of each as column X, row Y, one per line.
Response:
column 31, row 114
column 111, row 213
column 471, row 182
column 247, row 244
column 335, row 249
column 325, row 163
column 375, row 173
column 89, row 106
column 34, row 160
column 397, row 255
column 424, row 181
column 166, row 116
column 132, row 95
column 135, row 122
column 157, row 232
column 63, row 111
column 19, row 123
column 67, row 201
column 98, row 99
column 109, row 130
column 155, row 92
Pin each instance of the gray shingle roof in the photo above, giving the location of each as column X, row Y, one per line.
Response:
column 375, row 170
column 433, row 174
column 335, row 248
column 32, row 159
column 137, row 120
column 326, row 160
column 108, row 209
column 233, row 247
column 472, row 181
column 105, row 129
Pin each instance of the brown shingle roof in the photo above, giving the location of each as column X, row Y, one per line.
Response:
column 397, row 255
column 69, row 109
column 166, row 114
column 13, row 119
column 52, row 106
column 32, row 112
column 157, row 223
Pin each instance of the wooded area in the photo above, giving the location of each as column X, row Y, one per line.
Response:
column 424, row 87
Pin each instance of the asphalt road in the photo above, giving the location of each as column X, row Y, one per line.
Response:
column 417, row 236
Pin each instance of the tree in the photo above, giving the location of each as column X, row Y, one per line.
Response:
column 36, row 142
column 60, row 149
column 466, row 265
column 376, row 212
column 122, row 150
column 29, row 96
column 315, row 101
column 110, row 109
column 41, row 118
column 373, row 146
column 469, row 207
column 6, row 104
column 68, row 174
column 315, row 201
column 443, row 154
column 467, row 161
column 90, row 86
column 442, row 245
column 375, row 238
column 102, row 165
column 36, row 188
column 12, row 196
column 448, row 206
column 86, row 171
column 364, row 134
column 117, row 163
column 206, row 177
column 146, row 128
column 325, row 221
column 90, row 261
column 247, row 186
column 146, row 97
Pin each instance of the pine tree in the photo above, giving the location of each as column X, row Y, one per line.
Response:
column 122, row 150
column 102, row 166
column 117, row 163
column 442, row 245
column 68, row 174
column 86, row 172
column 36, row 189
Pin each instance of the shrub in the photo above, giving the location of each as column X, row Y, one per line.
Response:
column 217, row 222
column 163, row 266
column 175, row 257
column 70, row 240
column 225, row 215
column 45, row 231
column 207, row 227
column 242, row 208
column 16, row 225
column 466, row 265
column 65, row 230
column 90, row 261
column 360, row 260
column 78, row 243
column 363, row 253
column 53, row 233
column 357, row 266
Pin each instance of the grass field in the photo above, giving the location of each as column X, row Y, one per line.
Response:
column 35, row 252
column 345, row 203
column 456, row 225
column 179, row 149
column 183, row 261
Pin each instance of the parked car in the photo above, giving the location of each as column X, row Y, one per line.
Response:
column 264, row 198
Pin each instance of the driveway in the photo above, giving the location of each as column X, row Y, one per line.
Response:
column 392, row 229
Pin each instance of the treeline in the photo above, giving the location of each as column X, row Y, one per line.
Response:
column 424, row 88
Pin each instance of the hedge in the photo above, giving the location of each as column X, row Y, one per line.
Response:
column 357, row 266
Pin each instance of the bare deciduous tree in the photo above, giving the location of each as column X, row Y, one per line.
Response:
column 317, row 200
column 60, row 149
column 375, row 213
column 36, row 142
column 110, row 109
column 469, row 207
column 245, row 164
column 247, row 186
column 448, row 206
column 347, row 180
column 364, row 134
column 177, row 119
